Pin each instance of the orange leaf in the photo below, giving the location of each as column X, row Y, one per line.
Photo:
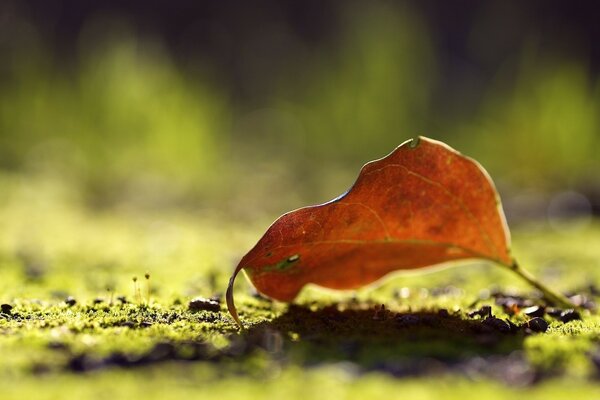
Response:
column 422, row 205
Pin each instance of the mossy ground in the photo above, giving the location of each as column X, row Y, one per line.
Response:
column 339, row 345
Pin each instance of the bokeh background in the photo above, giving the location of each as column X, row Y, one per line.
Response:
column 249, row 109
column 156, row 140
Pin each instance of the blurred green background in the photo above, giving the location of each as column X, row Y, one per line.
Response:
column 161, row 138
column 255, row 109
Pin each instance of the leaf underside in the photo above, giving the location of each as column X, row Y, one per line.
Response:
column 422, row 205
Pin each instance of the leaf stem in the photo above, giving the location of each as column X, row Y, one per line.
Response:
column 551, row 296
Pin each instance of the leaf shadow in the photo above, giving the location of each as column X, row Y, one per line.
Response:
column 361, row 340
column 403, row 344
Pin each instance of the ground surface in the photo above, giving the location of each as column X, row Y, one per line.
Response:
column 76, row 324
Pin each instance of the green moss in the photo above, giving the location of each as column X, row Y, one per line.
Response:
column 342, row 344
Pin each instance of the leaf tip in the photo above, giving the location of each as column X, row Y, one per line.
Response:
column 230, row 302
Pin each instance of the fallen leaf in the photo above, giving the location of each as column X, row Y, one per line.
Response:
column 422, row 205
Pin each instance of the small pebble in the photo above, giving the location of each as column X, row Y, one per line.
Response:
column 498, row 324
column 537, row 324
column 6, row 308
column 202, row 304
column 70, row 301
column 569, row 315
column 534, row 311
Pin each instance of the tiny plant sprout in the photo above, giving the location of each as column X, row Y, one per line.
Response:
column 136, row 291
column 147, row 276
column 112, row 293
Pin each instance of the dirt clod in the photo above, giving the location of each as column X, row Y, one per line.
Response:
column 483, row 312
column 569, row 315
column 6, row 308
column 70, row 301
column 202, row 304
column 535, row 311
column 498, row 324
column 537, row 324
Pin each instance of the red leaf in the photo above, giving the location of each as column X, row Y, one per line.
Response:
column 422, row 205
